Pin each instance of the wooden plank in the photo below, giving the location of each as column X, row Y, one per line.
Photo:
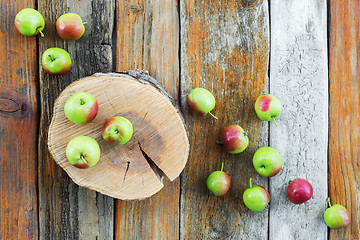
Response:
column 344, row 133
column 224, row 48
column 298, row 77
column 68, row 211
column 19, row 124
column 148, row 38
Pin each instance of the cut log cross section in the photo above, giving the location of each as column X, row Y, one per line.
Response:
column 159, row 145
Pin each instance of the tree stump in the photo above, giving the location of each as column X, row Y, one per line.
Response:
column 159, row 145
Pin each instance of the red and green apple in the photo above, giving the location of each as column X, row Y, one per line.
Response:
column 267, row 161
column 56, row 61
column 117, row 130
column 218, row 182
column 29, row 22
column 337, row 216
column 267, row 107
column 81, row 108
column 234, row 139
column 201, row 102
column 256, row 198
column 70, row 26
column 83, row 152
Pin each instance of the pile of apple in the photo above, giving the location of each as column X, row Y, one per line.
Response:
column 55, row 61
column 84, row 151
column 266, row 160
column 82, row 107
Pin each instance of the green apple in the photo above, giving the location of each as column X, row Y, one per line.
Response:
column 201, row 102
column 267, row 161
column 336, row 216
column 83, row 152
column 29, row 22
column 56, row 61
column 234, row 139
column 218, row 182
column 267, row 107
column 256, row 198
column 81, row 108
column 70, row 26
column 117, row 130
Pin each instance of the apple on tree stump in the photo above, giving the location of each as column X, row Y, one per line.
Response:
column 159, row 144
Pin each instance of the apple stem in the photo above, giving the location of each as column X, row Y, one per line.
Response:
column 275, row 121
column 250, row 183
column 84, row 23
column 52, row 59
column 328, row 199
column 41, row 33
column 306, row 210
column 213, row 115
column 222, row 166
column 219, row 142
column 82, row 158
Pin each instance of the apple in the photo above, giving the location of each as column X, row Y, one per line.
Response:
column 29, row 22
column 267, row 161
column 117, row 130
column 234, row 139
column 70, row 26
column 336, row 216
column 201, row 102
column 83, row 152
column 267, row 107
column 299, row 191
column 218, row 182
column 56, row 61
column 81, row 108
column 256, row 198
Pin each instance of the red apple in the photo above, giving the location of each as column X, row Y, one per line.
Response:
column 234, row 139
column 299, row 191
column 70, row 26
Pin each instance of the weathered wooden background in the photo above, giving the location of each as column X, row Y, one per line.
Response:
column 307, row 53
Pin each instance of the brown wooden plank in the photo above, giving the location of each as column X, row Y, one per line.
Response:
column 19, row 125
column 148, row 38
column 68, row 211
column 224, row 48
column 344, row 132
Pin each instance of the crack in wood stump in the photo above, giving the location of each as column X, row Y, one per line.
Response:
column 158, row 172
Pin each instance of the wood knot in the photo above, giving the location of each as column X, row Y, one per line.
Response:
column 11, row 106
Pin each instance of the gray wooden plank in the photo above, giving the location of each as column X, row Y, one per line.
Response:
column 68, row 211
column 298, row 77
column 224, row 48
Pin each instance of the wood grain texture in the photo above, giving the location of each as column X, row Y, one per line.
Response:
column 123, row 171
column 68, row 211
column 344, row 132
column 298, row 77
column 224, row 48
column 19, row 125
column 148, row 38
